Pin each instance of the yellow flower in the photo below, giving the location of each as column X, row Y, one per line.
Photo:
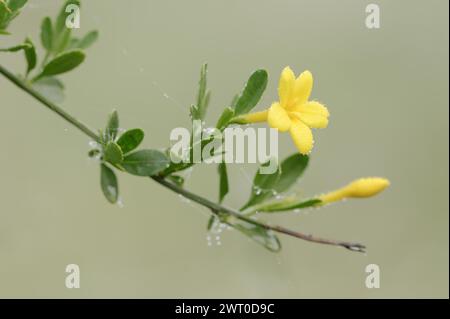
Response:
column 360, row 188
column 294, row 112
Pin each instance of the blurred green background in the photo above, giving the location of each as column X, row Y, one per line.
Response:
column 386, row 89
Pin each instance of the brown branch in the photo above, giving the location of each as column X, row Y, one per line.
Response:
column 216, row 209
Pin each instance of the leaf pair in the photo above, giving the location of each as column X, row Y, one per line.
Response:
column 50, row 37
column 63, row 53
column 140, row 163
column 117, row 151
column 56, row 37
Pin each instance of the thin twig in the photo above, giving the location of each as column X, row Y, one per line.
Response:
column 52, row 106
column 214, row 207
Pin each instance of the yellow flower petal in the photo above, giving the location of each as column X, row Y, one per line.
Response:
column 278, row 118
column 302, row 136
column 286, row 86
column 303, row 87
column 312, row 107
column 311, row 119
column 253, row 117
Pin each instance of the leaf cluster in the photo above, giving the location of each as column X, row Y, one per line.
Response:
column 63, row 51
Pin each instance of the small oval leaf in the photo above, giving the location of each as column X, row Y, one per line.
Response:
column 47, row 33
column 63, row 63
column 292, row 169
column 87, row 40
column 30, row 55
column 108, row 182
column 130, row 140
column 113, row 154
column 252, row 92
column 145, row 162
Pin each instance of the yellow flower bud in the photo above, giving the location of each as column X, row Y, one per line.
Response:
column 360, row 188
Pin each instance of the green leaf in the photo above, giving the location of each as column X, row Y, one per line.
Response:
column 63, row 63
column 5, row 14
column 51, row 88
column 47, row 34
column 288, row 204
column 263, row 186
column 113, row 154
column 234, row 100
column 145, row 162
column 17, row 48
column 258, row 234
column 252, row 92
column 30, row 56
column 4, row 32
column 9, row 9
column 266, row 186
column 198, row 111
column 61, row 42
column 130, row 140
column 16, row 5
column 223, row 183
column 108, row 182
column 292, row 169
column 225, row 118
column 87, row 40
column 112, row 126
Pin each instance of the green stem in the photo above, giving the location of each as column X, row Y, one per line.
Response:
column 215, row 208
column 69, row 118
